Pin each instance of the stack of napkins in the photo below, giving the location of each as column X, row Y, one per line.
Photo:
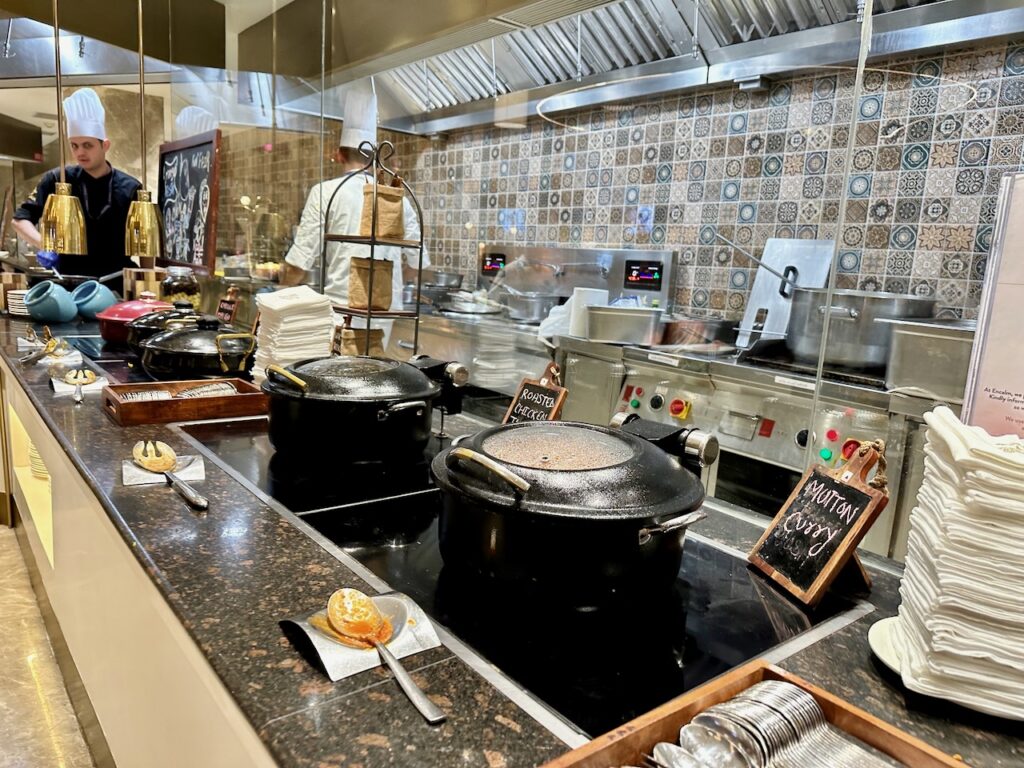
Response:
column 960, row 633
column 295, row 324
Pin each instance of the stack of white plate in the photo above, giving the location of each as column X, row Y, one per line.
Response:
column 16, row 303
column 35, row 464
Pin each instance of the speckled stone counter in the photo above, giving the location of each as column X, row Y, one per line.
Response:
column 230, row 575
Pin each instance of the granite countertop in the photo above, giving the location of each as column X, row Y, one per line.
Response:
column 243, row 559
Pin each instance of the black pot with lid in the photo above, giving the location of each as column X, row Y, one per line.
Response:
column 202, row 349
column 572, row 505
column 141, row 328
column 358, row 407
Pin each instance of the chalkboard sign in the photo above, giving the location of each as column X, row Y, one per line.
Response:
column 537, row 400
column 227, row 307
column 189, row 185
column 816, row 533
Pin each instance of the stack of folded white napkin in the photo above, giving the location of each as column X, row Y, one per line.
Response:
column 960, row 633
column 295, row 324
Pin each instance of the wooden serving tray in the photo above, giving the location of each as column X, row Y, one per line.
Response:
column 627, row 744
column 249, row 401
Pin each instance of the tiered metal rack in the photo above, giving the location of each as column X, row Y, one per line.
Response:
column 376, row 158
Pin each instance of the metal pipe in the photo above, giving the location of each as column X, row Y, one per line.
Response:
column 142, row 96
column 7, row 41
column 754, row 258
column 61, row 138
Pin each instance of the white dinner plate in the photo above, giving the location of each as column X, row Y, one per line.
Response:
column 880, row 640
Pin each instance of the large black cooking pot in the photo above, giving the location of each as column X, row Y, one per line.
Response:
column 355, row 407
column 204, row 350
column 576, row 506
column 141, row 328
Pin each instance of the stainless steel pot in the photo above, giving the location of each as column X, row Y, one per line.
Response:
column 624, row 325
column 530, row 307
column 450, row 280
column 855, row 339
column 680, row 329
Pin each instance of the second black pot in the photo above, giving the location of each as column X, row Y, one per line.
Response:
column 205, row 350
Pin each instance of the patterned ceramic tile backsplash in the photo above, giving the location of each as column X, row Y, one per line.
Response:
column 934, row 135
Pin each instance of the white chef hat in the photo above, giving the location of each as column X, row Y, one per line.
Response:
column 192, row 120
column 360, row 116
column 85, row 114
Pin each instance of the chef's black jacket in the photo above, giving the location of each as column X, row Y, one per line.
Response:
column 105, row 202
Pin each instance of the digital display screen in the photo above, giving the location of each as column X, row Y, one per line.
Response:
column 643, row 275
column 492, row 264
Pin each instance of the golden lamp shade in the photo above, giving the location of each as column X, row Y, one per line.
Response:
column 144, row 229
column 63, row 223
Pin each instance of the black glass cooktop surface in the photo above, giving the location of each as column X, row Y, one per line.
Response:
column 597, row 664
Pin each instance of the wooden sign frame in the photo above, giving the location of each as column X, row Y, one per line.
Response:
column 843, row 561
column 549, row 381
column 213, row 137
column 227, row 306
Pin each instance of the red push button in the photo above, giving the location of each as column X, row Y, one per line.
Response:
column 832, row 435
column 676, row 407
column 765, row 430
column 639, row 391
column 850, row 447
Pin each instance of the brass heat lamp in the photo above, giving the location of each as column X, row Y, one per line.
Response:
column 144, row 229
column 62, row 222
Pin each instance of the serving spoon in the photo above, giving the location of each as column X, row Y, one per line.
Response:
column 160, row 457
column 352, row 614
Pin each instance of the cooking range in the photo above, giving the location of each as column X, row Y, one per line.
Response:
column 596, row 663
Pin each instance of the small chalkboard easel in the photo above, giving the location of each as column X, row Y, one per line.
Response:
column 811, row 544
column 538, row 399
column 227, row 307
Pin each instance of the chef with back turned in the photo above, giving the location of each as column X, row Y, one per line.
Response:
column 360, row 124
column 105, row 193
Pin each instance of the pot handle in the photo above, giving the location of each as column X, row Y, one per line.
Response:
column 489, row 464
column 276, row 370
column 674, row 524
column 220, row 352
column 838, row 312
column 397, row 407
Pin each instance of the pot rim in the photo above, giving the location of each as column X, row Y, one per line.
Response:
column 850, row 292
column 431, row 390
column 662, row 495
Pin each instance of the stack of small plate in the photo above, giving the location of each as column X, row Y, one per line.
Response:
column 16, row 303
column 35, row 464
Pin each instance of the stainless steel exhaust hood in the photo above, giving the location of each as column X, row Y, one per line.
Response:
column 637, row 48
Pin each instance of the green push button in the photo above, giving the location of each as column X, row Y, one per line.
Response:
column 825, row 454
column 634, row 403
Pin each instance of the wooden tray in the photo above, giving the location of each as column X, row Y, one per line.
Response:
column 627, row 744
column 249, row 401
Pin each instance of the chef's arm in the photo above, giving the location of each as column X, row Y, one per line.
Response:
column 28, row 232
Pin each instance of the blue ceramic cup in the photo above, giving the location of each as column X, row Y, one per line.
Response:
column 91, row 298
column 48, row 302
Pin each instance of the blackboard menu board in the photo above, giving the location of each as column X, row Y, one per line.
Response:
column 537, row 399
column 817, row 531
column 189, row 184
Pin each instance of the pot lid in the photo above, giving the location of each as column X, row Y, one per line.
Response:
column 201, row 339
column 557, row 448
column 354, row 378
column 573, row 470
column 160, row 318
column 129, row 310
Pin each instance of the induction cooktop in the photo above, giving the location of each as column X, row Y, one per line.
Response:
column 595, row 665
